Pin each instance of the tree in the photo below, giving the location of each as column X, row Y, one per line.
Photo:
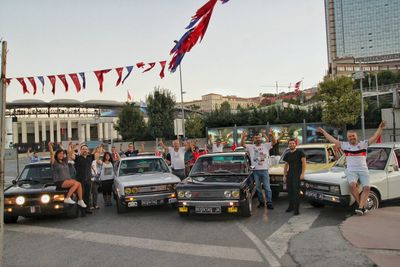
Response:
column 194, row 127
column 161, row 112
column 130, row 125
column 342, row 104
column 225, row 107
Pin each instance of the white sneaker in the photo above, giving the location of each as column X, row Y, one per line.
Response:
column 68, row 200
column 82, row 203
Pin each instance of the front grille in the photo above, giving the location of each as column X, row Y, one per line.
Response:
column 276, row 178
column 317, row 186
column 208, row 194
column 150, row 189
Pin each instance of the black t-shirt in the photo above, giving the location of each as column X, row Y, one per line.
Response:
column 83, row 167
column 132, row 153
column 294, row 161
column 274, row 150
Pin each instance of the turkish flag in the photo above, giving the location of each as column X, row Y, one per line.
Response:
column 75, row 80
column 8, row 81
column 24, row 88
column 52, row 79
column 32, row 81
column 162, row 63
column 119, row 72
column 64, row 81
column 379, row 139
column 140, row 65
column 100, row 77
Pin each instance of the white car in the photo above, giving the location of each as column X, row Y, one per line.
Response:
column 332, row 187
column 144, row 181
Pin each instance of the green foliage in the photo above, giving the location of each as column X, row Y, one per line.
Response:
column 194, row 127
column 225, row 107
column 342, row 104
column 385, row 77
column 161, row 111
column 130, row 125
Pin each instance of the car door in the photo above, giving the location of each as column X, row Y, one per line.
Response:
column 394, row 176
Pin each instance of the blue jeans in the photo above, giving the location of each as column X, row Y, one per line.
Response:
column 262, row 176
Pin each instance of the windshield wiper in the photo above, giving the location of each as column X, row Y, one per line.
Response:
column 223, row 171
column 199, row 173
column 29, row 181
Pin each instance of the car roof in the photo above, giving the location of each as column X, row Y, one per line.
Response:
column 44, row 162
column 141, row 157
column 318, row 145
column 387, row 145
column 224, row 154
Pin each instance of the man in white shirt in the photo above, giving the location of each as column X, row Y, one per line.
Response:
column 259, row 156
column 177, row 154
column 356, row 158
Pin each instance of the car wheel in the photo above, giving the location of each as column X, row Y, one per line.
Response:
column 316, row 204
column 73, row 212
column 247, row 209
column 372, row 201
column 10, row 219
column 174, row 205
column 120, row 208
column 275, row 194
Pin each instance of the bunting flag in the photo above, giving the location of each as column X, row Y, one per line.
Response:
column 24, row 88
column 64, row 81
column 52, row 79
column 100, row 77
column 75, row 80
column 152, row 64
column 8, row 81
column 379, row 139
column 41, row 79
column 297, row 88
column 162, row 63
column 129, row 98
column 119, row 72
column 140, row 65
column 129, row 69
column 82, row 74
column 33, row 83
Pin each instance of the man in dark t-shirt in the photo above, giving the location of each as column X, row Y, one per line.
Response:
column 293, row 173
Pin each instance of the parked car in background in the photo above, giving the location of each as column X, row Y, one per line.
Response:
column 320, row 157
column 332, row 188
column 218, row 183
column 34, row 193
column 144, row 181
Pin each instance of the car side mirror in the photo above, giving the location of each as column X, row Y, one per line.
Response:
column 14, row 182
column 170, row 169
column 252, row 168
column 391, row 168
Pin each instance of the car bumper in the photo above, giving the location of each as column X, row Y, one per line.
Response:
column 326, row 198
column 209, row 207
column 132, row 201
column 278, row 186
column 37, row 210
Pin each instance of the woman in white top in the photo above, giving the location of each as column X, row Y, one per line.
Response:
column 105, row 173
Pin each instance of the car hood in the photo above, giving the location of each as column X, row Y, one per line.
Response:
column 335, row 175
column 28, row 188
column 310, row 168
column 148, row 178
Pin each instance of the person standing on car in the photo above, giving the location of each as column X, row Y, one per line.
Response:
column 115, row 154
column 259, row 155
column 293, row 173
column 132, row 151
column 35, row 157
column 177, row 154
column 355, row 152
column 105, row 173
column 62, row 177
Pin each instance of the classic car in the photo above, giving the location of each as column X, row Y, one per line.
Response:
column 333, row 188
column 144, row 181
column 34, row 193
column 217, row 183
column 320, row 157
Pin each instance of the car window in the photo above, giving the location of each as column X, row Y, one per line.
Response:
column 40, row 173
column 313, row 155
column 220, row 163
column 137, row 166
column 377, row 158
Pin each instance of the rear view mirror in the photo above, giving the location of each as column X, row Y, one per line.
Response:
column 252, row 168
column 14, row 182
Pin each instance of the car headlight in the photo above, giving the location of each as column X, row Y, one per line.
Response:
column 127, row 190
column 227, row 194
column 171, row 187
column 188, row 194
column 235, row 193
column 181, row 194
column 58, row 197
column 20, row 200
column 45, row 199
column 334, row 189
column 135, row 190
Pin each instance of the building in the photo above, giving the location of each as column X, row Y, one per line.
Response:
column 213, row 101
column 362, row 35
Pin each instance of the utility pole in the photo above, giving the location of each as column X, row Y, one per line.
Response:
column 360, row 75
column 3, row 85
column 377, row 89
column 183, row 109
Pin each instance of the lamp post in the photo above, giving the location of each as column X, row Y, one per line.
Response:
column 360, row 75
column 182, row 92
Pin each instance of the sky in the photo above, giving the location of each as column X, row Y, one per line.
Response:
column 248, row 47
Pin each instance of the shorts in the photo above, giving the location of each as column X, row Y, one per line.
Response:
column 59, row 184
column 355, row 176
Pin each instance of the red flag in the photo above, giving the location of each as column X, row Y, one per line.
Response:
column 129, row 97
column 119, row 72
column 24, row 88
column 297, row 87
column 152, row 64
column 379, row 139
column 75, row 80
column 64, row 81
column 100, row 77
column 140, row 65
column 162, row 63
column 52, row 79
column 8, row 81
column 234, row 146
column 32, row 81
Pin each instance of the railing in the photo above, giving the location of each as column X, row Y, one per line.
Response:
column 382, row 88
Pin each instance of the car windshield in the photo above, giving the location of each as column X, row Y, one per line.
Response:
column 313, row 155
column 138, row 166
column 377, row 158
column 37, row 173
column 220, row 164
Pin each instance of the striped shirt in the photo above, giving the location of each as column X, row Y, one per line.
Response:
column 356, row 156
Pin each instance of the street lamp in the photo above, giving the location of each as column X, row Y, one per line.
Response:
column 182, row 92
column 359, row 75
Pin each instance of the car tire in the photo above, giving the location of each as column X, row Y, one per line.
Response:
column 10, row 219
column 316, row 204
column 73, row 212
column 275, row 194
column 120, row 208
column 373, row 200
column 174, row 205
column 247, row 209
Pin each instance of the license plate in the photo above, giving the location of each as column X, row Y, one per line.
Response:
column 132, row 204
column 208, row 210
column 284, row 186
column 313, row 195
column 151, row 202
column 33, row 209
